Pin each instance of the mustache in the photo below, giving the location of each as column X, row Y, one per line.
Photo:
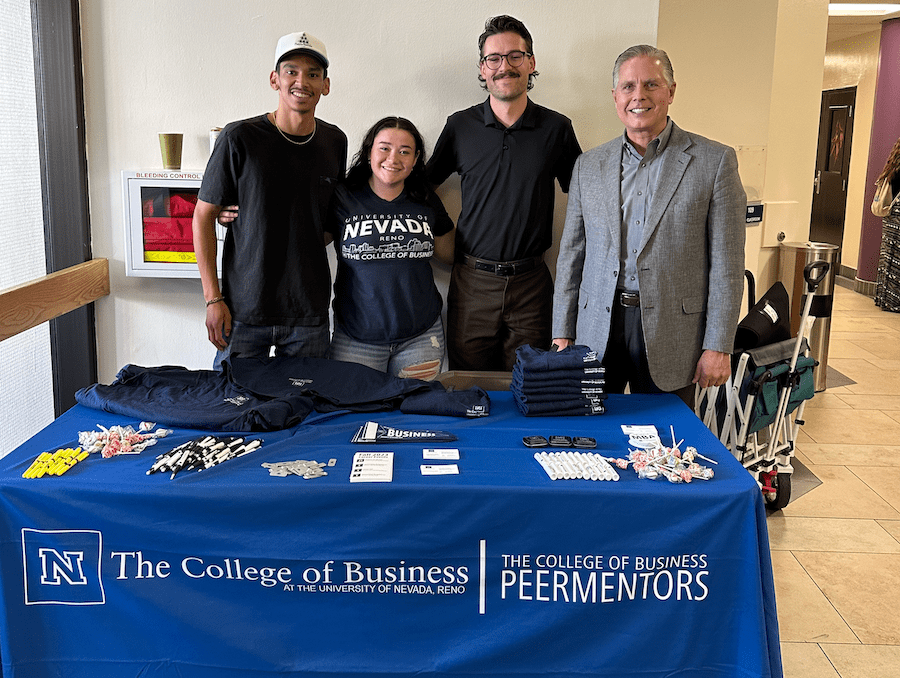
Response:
column 506, row 74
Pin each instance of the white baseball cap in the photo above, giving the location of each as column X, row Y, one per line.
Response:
column 301, row 42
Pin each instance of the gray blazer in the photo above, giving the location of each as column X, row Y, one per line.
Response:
column 690, row 261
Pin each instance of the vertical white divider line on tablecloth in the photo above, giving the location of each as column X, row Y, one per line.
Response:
column 482, row 573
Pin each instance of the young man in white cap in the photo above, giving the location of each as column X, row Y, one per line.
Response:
column 281, row 168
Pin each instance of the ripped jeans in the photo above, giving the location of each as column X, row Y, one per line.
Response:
column 418, row 358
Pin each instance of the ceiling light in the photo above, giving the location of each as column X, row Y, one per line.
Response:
column 848, row 9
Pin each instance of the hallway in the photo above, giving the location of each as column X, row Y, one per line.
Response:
column 836, row 549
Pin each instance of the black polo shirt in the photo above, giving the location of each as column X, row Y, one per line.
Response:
column 506, row 178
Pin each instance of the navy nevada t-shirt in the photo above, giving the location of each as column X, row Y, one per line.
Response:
column 384, row 289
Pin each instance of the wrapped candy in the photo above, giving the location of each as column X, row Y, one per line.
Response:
column 115, row 440
column 669, row 462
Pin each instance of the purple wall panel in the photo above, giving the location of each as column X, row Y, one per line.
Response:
column 885, row 131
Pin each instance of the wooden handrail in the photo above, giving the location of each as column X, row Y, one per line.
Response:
column 35, row 302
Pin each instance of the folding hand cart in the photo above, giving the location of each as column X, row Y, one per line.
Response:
column 759, row 410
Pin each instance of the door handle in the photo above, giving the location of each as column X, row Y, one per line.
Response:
column 818, row 180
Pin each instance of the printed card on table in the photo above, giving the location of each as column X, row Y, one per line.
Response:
column 372, row 467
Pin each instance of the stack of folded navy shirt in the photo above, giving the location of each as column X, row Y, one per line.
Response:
column 560, row 383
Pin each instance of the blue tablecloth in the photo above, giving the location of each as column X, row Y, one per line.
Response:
column 499, row 570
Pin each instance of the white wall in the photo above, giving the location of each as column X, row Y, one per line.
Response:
column 183, row 66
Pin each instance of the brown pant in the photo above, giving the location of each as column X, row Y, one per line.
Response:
column 489, row 316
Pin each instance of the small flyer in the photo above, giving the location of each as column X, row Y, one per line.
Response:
column 372, row 467
column 449, row 453
column 644, row 437
column 439, row 469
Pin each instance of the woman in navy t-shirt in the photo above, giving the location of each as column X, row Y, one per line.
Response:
column 385, row 221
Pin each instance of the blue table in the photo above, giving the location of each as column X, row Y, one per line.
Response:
column 107, row 571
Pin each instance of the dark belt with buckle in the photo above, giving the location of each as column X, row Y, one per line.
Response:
column 504, row 268
column 628, row 299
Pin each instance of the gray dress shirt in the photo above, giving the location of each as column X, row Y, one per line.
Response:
column 640, row 177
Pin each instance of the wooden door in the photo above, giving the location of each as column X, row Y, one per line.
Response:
column 832, row 166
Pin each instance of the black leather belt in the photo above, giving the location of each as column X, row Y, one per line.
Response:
column 629, row 299
column 504, row 268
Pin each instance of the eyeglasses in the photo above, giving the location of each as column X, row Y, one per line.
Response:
column 514, row 59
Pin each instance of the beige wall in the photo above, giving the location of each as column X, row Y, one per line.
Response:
column 730, row 62
column 742, row 69
column 854, row 63
column 764, row 61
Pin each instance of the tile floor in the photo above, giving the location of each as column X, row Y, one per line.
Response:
column 836, row 549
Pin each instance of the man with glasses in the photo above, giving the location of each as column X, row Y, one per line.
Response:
column 508, row 151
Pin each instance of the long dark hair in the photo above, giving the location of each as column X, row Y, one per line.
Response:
column 893, row 163
column 416, row 186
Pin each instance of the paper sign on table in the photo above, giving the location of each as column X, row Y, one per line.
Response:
column 449, row 453
column 372, row 467
column 439, row 469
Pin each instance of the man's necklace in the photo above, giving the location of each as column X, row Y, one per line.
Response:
column 287, row 138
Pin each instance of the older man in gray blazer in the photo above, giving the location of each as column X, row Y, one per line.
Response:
column 650, row 267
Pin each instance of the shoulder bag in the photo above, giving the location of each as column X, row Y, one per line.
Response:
column 881, row 204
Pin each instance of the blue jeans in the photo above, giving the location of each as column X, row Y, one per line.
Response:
column 257, row 341
column 418, row 358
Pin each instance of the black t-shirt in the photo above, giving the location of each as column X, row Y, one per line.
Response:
column 274, row 268
column 384, row 291
column 506, row 178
